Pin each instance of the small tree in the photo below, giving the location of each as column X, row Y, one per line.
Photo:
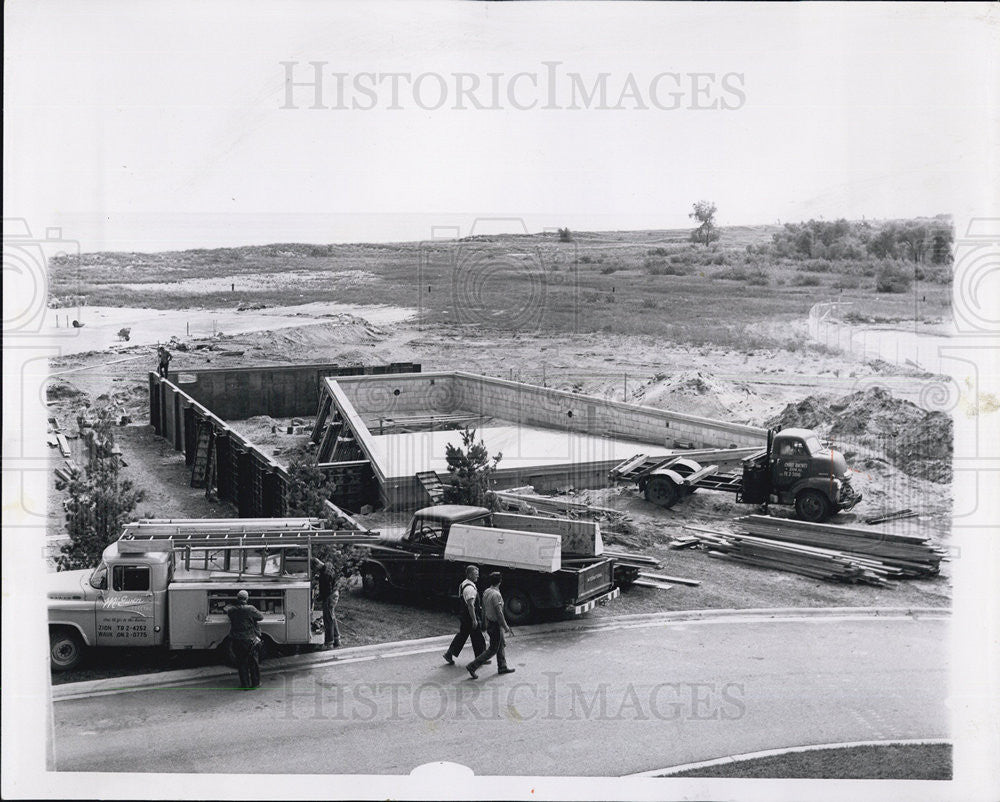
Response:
column 565, row 235
column 309, row 488
column 471, row 471
column 100, row 502
column 704, row 213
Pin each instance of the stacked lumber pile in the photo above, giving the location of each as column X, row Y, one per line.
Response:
column 823, row 551
column 914, row 555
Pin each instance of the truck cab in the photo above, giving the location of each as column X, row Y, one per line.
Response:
column 121, row 602
column 800, row 470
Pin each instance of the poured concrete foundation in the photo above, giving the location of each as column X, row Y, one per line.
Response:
column 549, row 438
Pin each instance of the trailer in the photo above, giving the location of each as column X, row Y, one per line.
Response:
column 794, row 468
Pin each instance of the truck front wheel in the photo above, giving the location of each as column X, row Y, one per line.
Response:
column 517, row 606
column 812, row 506
column 65, row 648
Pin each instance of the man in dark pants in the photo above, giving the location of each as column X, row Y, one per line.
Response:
column 164, row 365
column 328, row 596
column 496, row 626
column 244, row 631
column 470, row 617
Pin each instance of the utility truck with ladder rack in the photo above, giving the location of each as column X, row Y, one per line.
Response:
column 166, row 583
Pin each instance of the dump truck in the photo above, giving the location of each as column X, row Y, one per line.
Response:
column 795, row 468
column 548, row 564
column 166, row 583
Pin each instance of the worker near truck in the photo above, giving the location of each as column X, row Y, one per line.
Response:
column 496, row 627
column 244, row 631
column 470, row 616
column 328, row 596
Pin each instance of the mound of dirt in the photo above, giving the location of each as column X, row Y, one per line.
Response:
column 692, row 392
column 917, row 441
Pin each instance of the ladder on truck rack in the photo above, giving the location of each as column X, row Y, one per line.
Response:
column 259, row 533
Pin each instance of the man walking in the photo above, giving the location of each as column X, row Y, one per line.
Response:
column 496, row 626
column 328, row 596
column 470, row 617
column 244, row 631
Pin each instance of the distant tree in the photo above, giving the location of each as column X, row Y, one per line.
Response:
column 100, row 501
column 565, row 235
column 309, row 488
column 704, row 213
column 471, row 470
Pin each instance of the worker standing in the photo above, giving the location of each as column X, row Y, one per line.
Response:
column 496, row 626
column 164, row 364
column 244, row 631
column 328, row 595
column 470, row 615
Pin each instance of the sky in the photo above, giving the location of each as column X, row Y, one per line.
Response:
column 148, row 126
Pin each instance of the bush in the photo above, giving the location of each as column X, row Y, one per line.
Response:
column 660, row 267
column 733, row 274
column 817, row 266
column 650, row 303
column 608, row 269
column 657, row 252
column 893, row 277
column 805, row 281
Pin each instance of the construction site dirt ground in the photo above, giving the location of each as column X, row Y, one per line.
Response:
column 747, row 386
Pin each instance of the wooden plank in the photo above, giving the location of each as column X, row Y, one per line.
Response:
column 663, row 578
column 648, row 583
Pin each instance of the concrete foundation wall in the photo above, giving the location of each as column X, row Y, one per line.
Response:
column 282, row 391
column 451, row 393
column 529, row 405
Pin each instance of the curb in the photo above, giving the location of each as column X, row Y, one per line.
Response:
column 113, row 685
column 721, row 761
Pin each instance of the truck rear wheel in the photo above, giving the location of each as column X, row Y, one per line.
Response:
column 812, row 506
column 65, row 648
column 661, row 490
column 517, row 606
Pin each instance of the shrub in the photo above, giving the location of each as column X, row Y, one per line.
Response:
column 608, row 269
column 650, row 303
column 817, row 266
column 805, row 281
column 660, row 267
column 893, row 277
column 657, row 252
column 733, row 274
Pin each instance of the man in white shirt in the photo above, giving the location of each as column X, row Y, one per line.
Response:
column 470, row 617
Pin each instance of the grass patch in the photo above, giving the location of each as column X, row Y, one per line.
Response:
column 881, row 762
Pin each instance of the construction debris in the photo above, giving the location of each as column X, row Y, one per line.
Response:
column 662, row 578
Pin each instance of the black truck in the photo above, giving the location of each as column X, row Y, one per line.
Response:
column 547, row 564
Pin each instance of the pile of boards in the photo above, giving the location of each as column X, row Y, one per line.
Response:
column 824, row 551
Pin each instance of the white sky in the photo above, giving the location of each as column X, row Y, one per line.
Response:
column 142, row 126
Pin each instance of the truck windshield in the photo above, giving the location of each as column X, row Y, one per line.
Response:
column 813, row 444
column 99, row 578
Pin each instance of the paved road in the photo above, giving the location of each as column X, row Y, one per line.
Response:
column 622, row 699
